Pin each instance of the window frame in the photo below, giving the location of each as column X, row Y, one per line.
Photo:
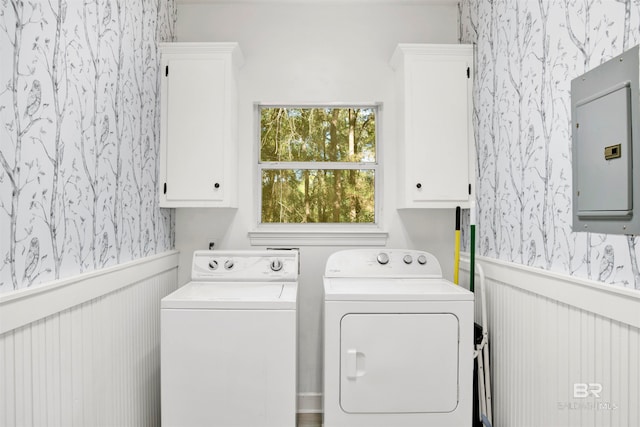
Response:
column 318, row 233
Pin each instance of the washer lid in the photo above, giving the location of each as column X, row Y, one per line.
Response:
column 370, row 289
column 233, row 296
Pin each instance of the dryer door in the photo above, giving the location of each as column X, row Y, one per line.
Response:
column 399, row 363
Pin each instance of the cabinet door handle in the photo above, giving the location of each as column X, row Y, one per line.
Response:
column 216, row 185
column 418, row 185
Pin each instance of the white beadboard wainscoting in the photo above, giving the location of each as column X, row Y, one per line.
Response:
column 549, row 332
column 85, row 351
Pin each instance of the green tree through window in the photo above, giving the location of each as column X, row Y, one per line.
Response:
column 318, row 165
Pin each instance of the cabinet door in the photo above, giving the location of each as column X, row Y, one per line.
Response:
column 196, row 92
column 437, row 128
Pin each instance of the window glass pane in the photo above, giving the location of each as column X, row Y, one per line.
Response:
column 318, row 196
column 317, row 134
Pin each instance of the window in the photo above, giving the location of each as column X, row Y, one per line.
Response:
column 317, row 165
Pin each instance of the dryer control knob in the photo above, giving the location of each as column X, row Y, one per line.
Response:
column 422, row 259
column 383, row 258
column 408, row 259
column 276, row 265
column 213, row 264
column 228, row 264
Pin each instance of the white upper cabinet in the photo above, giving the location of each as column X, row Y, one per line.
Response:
column 198, row 143
column 435, row 135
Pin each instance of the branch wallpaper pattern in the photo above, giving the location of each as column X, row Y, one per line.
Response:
column 527, row 52
column 79, row 136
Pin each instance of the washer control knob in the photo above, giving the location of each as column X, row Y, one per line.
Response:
column 228, row 264
column 213, row 264
column 408, row 259
column 422, row 259
column 383, row 258
column 276, row 265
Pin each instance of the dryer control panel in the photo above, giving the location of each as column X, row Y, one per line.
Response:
column 248, row 266
column 397, row 263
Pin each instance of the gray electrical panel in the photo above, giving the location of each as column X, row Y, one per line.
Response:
column 605, row 109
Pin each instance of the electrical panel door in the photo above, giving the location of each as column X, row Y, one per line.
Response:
column 604, row 154
column 605, row 113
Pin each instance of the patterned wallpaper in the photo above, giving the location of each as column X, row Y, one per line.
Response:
column 526, row 55
column 79, row 136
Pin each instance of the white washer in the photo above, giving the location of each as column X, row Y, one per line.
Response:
column 228, row 342
column 398, row 342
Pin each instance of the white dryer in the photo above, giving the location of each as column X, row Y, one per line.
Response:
column 398, row 342
column 228, row 342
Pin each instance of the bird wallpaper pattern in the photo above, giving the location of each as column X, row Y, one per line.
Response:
column 79, row 136
column 527, row 53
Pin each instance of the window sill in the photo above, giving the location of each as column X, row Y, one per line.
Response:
column 318, row 238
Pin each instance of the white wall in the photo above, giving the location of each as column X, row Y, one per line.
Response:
column 315, row 53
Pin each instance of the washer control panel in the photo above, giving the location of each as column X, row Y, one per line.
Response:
column 383, row 263
column 263, row 266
